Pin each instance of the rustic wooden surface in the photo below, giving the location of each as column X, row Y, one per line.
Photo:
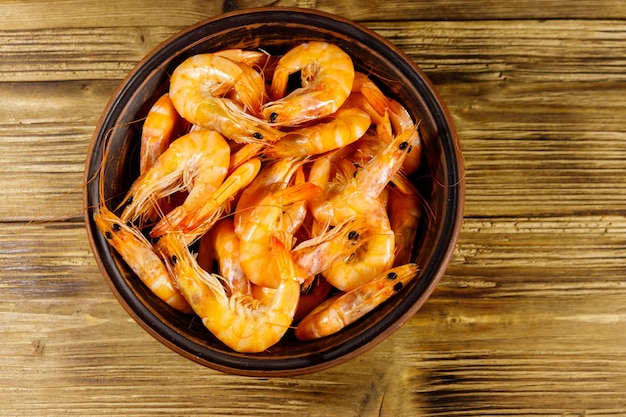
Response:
column 530, row 318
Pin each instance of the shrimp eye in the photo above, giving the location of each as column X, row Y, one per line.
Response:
column 410, row 149
column 108, row 235
column 397, row 287
column 116, row 227
column 353, row 235
column 392, row 276
column 129, row 201
column 273, row 117
column 403, row 145
column 257, row 135
column 174, row 259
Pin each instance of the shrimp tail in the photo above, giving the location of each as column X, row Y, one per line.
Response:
column 284, row 261
column 237, row 181
column 376, row 99
column 300, row 192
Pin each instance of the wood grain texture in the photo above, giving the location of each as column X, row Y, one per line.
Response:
column 512, row 96
column 529, row 318
column 502, row 334
column 41, row 14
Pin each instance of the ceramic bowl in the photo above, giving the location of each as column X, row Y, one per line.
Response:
column 439, row 180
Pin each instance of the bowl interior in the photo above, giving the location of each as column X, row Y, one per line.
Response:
column 275, row 31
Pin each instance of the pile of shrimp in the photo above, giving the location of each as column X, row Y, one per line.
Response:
column 262, row 206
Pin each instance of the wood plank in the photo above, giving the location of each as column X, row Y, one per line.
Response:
column 43, row 147
column 546, row 257
column 454, row 53
column 20, row 15
column 42, row 14
column 506, row 348
column 509, row 92
column 505, row 175
column 512, row 49
column 516, row 147
column 76, row 53
column 46, row 14
column 529, row 317
column 554, row 257
column 401, row 10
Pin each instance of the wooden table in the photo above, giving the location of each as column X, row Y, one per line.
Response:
column 530, row 318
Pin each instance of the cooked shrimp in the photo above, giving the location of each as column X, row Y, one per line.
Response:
column 245, row 56
column 140, row 256
column 244, row 153
column 401, row 121
column 318, row 253
column 344, row 127
column 260, row 60
column 327, row 74
column 158, row 130
column 220, row 246
column 295, row 214
column 351, row 196
column 366, row 95
column 195, row 219
column 389, row 123
column 217, row 76
column 373, row 142
column 405, row 213
column 341, row 310
column 272, row 177
column 162, row 125
column 365, row 262
column 239, row 321
column 312, row 293
column 265, row 222
column 198, row 87
column 358, row 101
column 196, row 162
column 311, row 297
column 320, row 170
